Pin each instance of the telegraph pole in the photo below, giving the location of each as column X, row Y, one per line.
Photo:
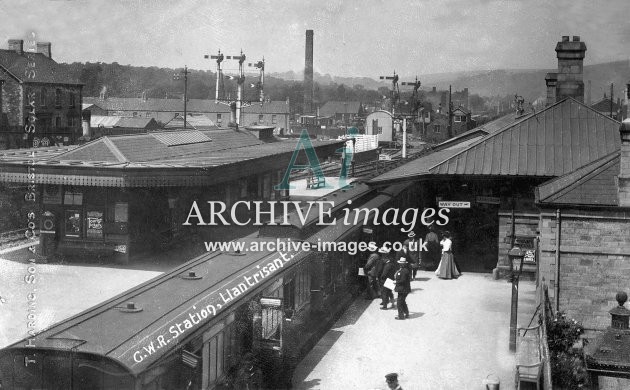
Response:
column 611, row 100
column 450, row 114
column 178, row 76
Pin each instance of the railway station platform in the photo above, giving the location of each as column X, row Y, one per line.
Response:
column 457, row 334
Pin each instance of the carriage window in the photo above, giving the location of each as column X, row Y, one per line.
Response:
column 218, row 354
column 302, row 288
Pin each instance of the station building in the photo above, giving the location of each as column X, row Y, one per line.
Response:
column 121, row 195
column 495, row 174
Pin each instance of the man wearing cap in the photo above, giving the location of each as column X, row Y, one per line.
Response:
column 373, row 269
column 403, row 288
column 392, row 381
column 388, row 272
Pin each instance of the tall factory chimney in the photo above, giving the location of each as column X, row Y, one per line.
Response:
column 308, row 73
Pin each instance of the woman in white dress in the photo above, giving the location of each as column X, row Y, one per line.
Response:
column 447, row 268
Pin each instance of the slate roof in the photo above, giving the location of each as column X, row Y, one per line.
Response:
column 46, row 69
column 604, row 106
column 149, row 147
column 552, row 142
column 177, row 105
column 333, row 107
column 591, row 185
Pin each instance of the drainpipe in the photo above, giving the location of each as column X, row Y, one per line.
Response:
column 557, row 284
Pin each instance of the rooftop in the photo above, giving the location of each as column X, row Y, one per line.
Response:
column 551, row 142
column 48, row 71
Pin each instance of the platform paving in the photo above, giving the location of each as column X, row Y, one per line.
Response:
column 457, row 335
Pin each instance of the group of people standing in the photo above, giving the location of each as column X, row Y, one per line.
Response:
column 389, row 273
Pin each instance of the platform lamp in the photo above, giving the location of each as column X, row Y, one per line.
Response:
column 516, row 256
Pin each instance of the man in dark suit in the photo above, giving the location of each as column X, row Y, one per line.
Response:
column 403, row 288
column 392, row 381
column 410, row 252
column 388, row 272
column 373, row 269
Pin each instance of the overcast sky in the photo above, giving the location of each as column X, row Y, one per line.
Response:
column 352, row 37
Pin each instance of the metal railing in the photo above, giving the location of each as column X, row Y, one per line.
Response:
column 545, row 313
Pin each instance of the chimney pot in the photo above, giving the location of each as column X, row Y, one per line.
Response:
column 17, row 45
column 44, row 48
column 565, row 38
column 576, row 38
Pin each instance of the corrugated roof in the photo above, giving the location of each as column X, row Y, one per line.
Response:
column 552, row 142
column 47, row 70
column 591, row 185
column 136, row 123
column 103, row 121
column 197, row 122
column 333, row 107
column 555, row 141
column 177, row 105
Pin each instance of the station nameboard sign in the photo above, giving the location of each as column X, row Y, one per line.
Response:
column 271, row 302
column 489, row 199
column 449, row 204
column 384, row 157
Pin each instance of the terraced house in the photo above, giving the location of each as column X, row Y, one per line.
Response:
column 36, row 90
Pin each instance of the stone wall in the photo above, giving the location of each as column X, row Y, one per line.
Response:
column 525, row 225
column 594, row 262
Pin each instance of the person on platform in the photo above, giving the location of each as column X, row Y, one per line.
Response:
column 392, row 381
column 388, row 272
column 403, row 288
column 373, row 269
column 431, row 257
column 413, row 253
column 447, row 268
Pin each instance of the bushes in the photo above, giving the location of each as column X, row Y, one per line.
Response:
column 568, row 369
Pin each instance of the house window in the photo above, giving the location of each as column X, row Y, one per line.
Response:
column 42, row 97
column 58, row 97
column 148, row 114
column 219, row 119
column 135, row 114
column 58, row 122
column 72, row 99
column 70, row 121
column 73, row 222
column 261, row 118
column 274, row 120
column 436, row 128
column 380, row 130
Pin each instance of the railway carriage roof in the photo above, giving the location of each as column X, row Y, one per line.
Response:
column 110, row 329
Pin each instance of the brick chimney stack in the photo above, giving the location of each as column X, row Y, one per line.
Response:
column 624, row 164
column 44, row 48
column 568, row 81
column 17, row 45
column 308, row 73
